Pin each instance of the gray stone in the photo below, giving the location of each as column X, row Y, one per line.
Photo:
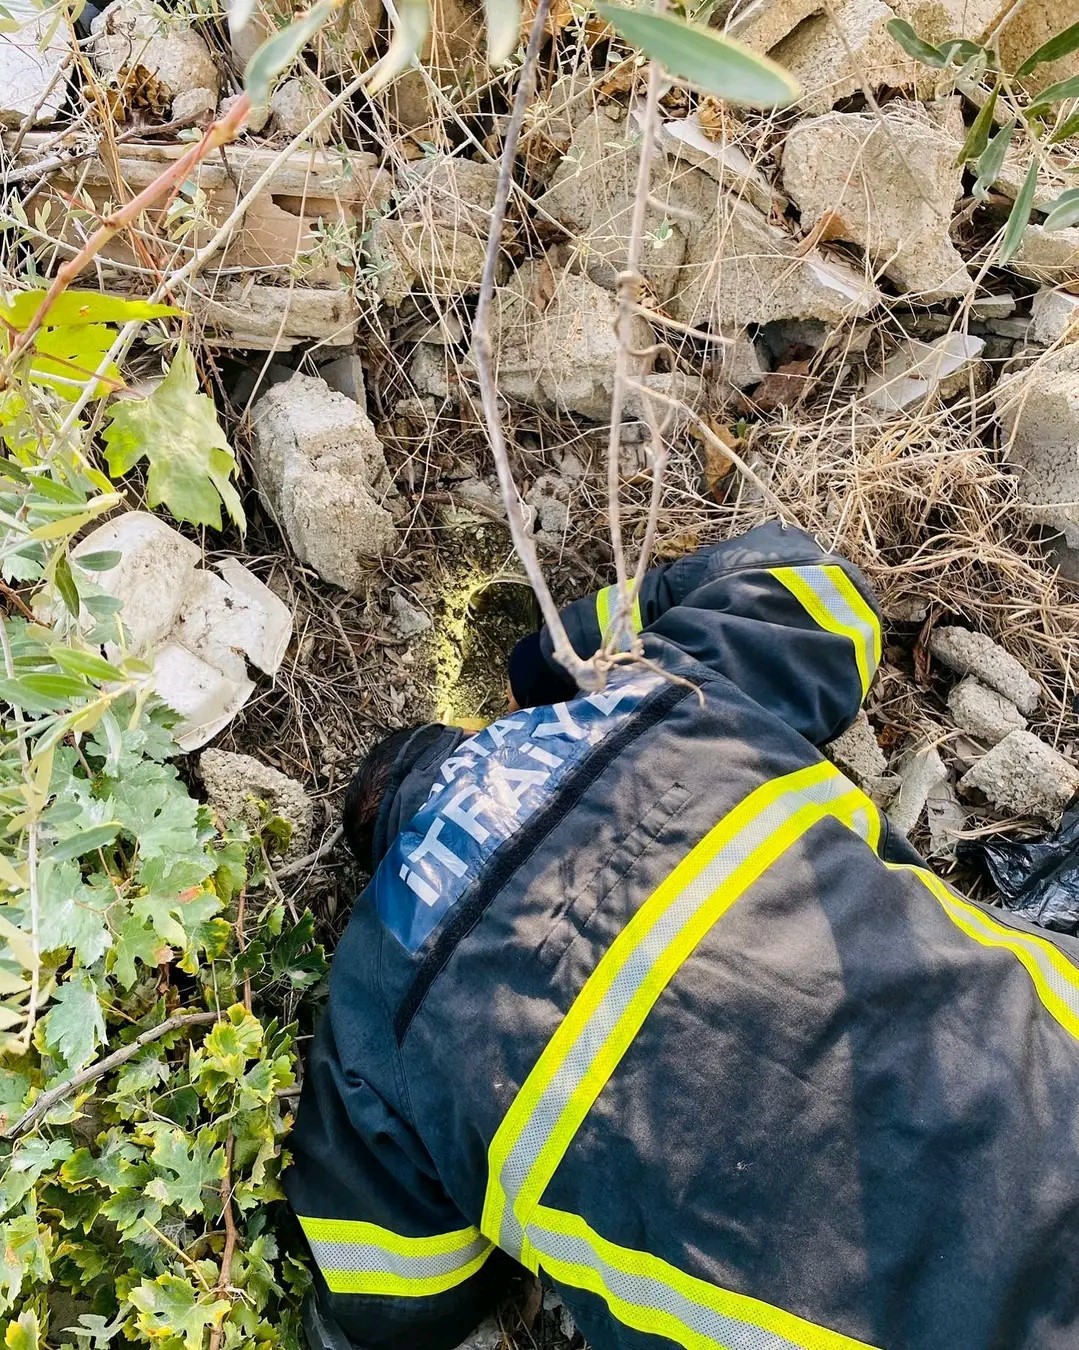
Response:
column 321, row 472
column 857, row 753
column 945, row 817
column 135, row 33
column 982, row 712
column 760, row 25
column 975, row 654
column 345, row 374
column 1056, row 317
column 549, row 499
column 194, row 105
column 487, row 1336
column 27, row 70
column 921, row 773
column 431, row 258
column 1038, row 408
column 1016, row 329
column 993, row 306
column 919, row 370
column 296, row 103
column 235, row 784
column 889, row 186
column 1024, row 777
column 408, row 621
column 1048, row 256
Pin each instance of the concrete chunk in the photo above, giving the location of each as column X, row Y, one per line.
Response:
column 759, row 26
column 235, row 784
column 134, row 42
column 321, row 472
column 891, row 189
column 1027, row 28
column 975, row 654
column 921, row 773
column 1025, row 777
column 1038, row 409
column 982, row 712
column 1048, row 256
column 921, row 370
column 1056, row 317
column 28, row 70
column 857, row 754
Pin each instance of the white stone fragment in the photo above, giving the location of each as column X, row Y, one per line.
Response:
column 1024, row 777
column 921, row 370
column 1056, row 317
column 296, row 103
column 920, row 774
column 1048, row 256
column 1038, row 408
column 763, row 23
column 236, row 784
column 971, row 653
column 982, row 712
column 33, row 82
column 200, row 629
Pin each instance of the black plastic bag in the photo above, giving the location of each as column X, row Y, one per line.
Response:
column 1038, row 879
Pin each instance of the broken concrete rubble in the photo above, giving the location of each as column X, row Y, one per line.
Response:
column 321, row 472
column 296, row 103
column 408, row 621
column 921, row 370
column 273, row 318
column 857, row 754
column 439, row 261
column 970, row 653
column 763, row 23
column 200, row 628
column 560, row 353
column 1038, row 408
column 832, row 65
column 1056, row 317
column 236, row 785
column 1023, row 776
column 133, row 40
column 348, row 34
column 1048, row 256
column 889, row 186
column 33, row 79
column 939, row 20
column 1029, row 26
column 194, row 105
column 982, row 712
column 921, row 773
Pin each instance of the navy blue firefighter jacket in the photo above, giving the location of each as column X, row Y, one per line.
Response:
column 644, row 998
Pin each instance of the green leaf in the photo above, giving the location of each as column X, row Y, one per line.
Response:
column 83, row 843
column 991, row 161
column 65, row 359
column 409, row 35
column 74, row 1027
column 978, row 136
column 24, row 1254
column 74, row 307
column 705, row 57
column 1064, row 211
column 1067, row 128
column 1020, row 215
column 92, row 666
column 170, row 1307
column 43, row 693
column 963, row 49
column 72, row 912
column 503, row 29
column 65, row 584
column 278, row 52
column 190, row 1167
column 104, row 561
column 1056, row 93
column 24, row 1333
column 176, row 430
column 914, row 46
column 1062, row 45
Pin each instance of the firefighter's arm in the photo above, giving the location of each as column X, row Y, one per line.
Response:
column 794, row 627
column 397, row 1265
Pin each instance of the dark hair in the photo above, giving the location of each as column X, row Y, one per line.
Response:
column 366, row 791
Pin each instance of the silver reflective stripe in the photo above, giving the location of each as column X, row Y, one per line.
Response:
column 859, row 625
column 597, row 1030
column 648, row 1294
column 370, row 1257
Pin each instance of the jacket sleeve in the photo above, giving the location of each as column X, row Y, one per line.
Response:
column 796, row 628
column 398, row 1267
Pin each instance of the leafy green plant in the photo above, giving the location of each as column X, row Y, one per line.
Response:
column 986, row 149
column 147, row 1049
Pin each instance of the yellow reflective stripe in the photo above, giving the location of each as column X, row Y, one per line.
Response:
column 833, row 602
column 1052, row 974
column 606, row 602
column 845, row 801
column 652, row 1296
column 356, row 1257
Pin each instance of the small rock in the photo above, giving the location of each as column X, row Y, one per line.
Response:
column 256, row 118
column 920, row 370
column 857, row 754
column 487, row 1336
column 938, row 20
column 921, row 773
column 422, row 256
column 1025, row 777
column 993, row 306
column 345, row 374
column 458, row 192
column 1038, row 408
column 1026, row 28
column 408, row 621
column 945, row 817
column 345, row 35
column 296, row 103
column 549, row 499
column 194, row 105
column 888, row 185
column 1048, row 256
column 1018, row 330
column 982, row 712
column 1056, row 317
column 832, row 65
column 975, row 654
column 235, row 784
column 27, row 70
column 759, row 26
column 133, row 39
column 322, row 473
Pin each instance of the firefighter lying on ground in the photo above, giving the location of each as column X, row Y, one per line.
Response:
column 645, row 997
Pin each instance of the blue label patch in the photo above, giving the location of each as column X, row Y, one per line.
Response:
column 487, row 790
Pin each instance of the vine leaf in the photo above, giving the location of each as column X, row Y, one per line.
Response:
column 177, row 432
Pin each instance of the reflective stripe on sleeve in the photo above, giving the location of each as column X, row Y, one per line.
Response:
column 618, row 995
column 655, row 1297
column 362, row 1258
column 834, row 603
column 606, row 610
column 1054, row 977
